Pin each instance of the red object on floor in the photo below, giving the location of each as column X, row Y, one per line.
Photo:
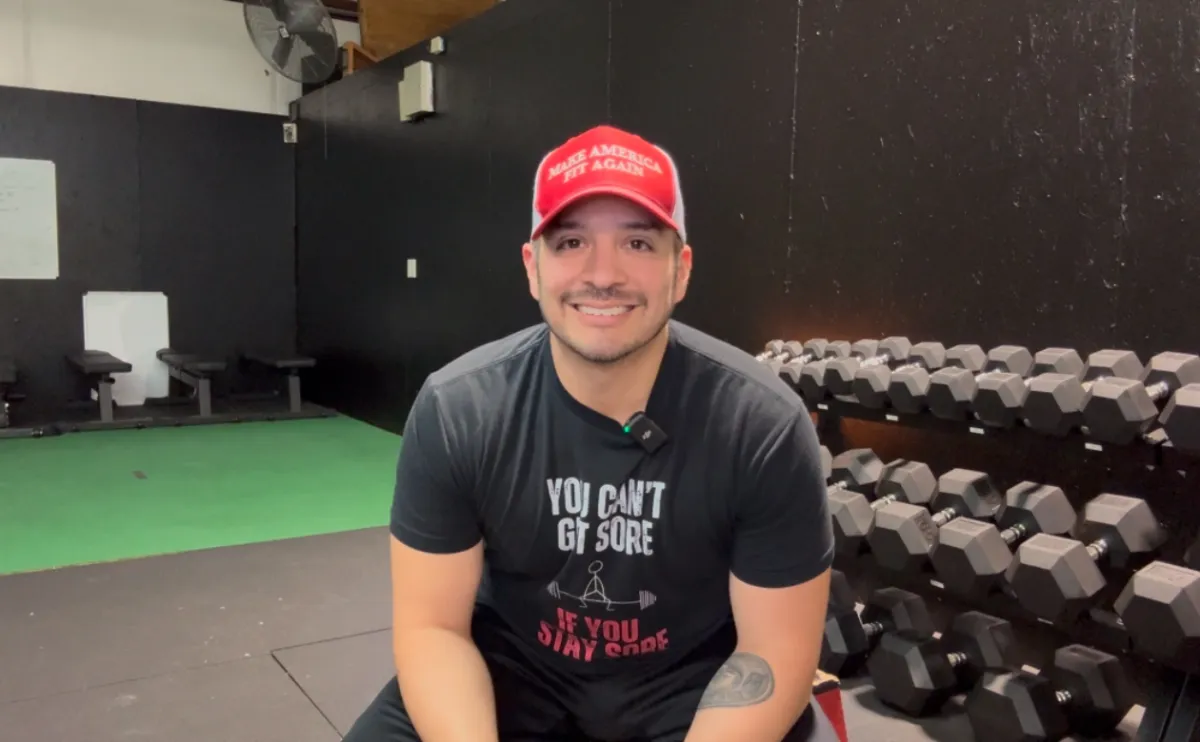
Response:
column 828, row 691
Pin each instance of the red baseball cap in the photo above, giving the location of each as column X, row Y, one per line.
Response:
column 606, row 160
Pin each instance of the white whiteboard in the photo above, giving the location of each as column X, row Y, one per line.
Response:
column 28, row 219
column 133, row 326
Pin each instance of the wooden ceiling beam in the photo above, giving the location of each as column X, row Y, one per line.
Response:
column 389, row 26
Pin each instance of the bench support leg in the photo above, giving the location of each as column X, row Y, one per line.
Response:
column 104, row 388
column 294, row 392
column 204, row 390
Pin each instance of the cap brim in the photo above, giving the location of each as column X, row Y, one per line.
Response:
column 606, row 190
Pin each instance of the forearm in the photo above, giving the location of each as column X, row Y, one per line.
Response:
column 446, row 686
column 751, row 699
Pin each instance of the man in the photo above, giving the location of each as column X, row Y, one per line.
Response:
column 610, row 526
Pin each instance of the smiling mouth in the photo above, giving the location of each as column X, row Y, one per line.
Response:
column 603, row 311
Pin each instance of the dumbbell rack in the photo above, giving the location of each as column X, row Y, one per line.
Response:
column 1172, row 696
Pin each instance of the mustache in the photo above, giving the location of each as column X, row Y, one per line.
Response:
column 611, row 295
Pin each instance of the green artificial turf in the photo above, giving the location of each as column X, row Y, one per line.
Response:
column 104, row 496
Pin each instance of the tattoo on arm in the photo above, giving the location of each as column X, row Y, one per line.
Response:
column 744, row 680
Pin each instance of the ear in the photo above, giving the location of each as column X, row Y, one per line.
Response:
column 683, row 272
column 529, row 257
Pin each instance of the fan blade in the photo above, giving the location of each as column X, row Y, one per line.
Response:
column 283, row 50
column 279, row 9
column 322, row 44
column 304, row 18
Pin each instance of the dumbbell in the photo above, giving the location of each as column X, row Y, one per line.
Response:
column 1001, row 395
column 853, row 514
column 849, row 639
column 1160, row 607
column 1057, row 578
column 841, row 595
column 813, row 377
column 854, row 469
column 839, row 373
column 1084, row 692
column 918, row 674
column 791, row 370
column 811, row 350
column 770, row 350
column 1119, row 411
column 871, row 383
column 952, row 390
column 905, row 535
column 972, row 557
column 1180, row 419
column 1054, row 403
column 909, row 387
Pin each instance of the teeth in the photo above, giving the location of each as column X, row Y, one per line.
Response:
column 611, row 312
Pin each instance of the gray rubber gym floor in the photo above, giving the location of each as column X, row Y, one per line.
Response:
column 276, row 642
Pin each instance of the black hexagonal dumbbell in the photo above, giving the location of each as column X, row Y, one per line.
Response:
column 796, row 353
column 839, row 374
column 841, row 594
column 1054, row 403
column 809, row 378
column 772, row 349
column 1058, row 578
column 850, row 638
column 1001, row 395
column 1160, row 607
column 918, row 674
column 871, row 382
column 854, row 469
column 1119, row 411
column 853, row 513
column 1181, row 419
column 972, row 557
column 909, row 388
column 952, row 390
column 1085, row 692
column 815, row 378
column 904, row 535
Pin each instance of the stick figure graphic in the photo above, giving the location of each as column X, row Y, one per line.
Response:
column 595, row 587
column 595, row 592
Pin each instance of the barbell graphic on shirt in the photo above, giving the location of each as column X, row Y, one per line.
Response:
column 596, row 593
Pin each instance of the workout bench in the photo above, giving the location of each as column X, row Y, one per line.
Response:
column 98, row 367
column 290, row 366
column 194, row 372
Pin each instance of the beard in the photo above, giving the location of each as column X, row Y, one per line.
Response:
column 612, row 356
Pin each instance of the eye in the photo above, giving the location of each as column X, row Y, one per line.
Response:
column 567, row 243
column 640, row 245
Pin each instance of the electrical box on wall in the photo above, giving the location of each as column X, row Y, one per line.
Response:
column 416, row 91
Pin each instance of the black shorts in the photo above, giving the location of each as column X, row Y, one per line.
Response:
column 537, row 705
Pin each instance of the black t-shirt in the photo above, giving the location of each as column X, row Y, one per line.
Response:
column 601, row 557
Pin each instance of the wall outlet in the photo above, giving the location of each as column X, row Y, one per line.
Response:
column 412, row 267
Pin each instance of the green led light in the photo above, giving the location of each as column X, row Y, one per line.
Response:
column 626, row 428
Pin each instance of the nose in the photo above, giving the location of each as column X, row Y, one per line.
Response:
column 603, row 267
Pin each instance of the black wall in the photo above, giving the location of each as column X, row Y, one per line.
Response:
column 992, row 173
column 195, row 202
